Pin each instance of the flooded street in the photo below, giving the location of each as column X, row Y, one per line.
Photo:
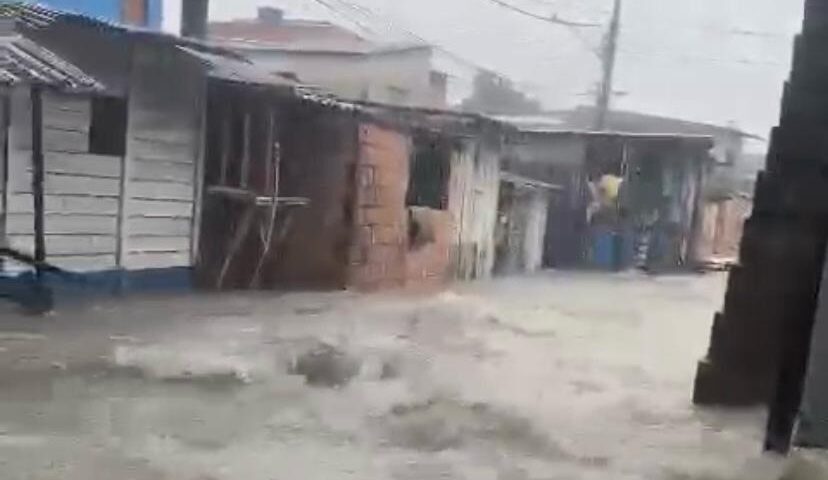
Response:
column 557, row 376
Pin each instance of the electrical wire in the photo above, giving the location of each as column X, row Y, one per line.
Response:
column 365, row 11
column 551, row 19
column 334, row 10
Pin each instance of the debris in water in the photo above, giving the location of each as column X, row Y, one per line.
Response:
column 327, row 366
column 440, row 424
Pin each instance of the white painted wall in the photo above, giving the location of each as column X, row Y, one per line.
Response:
column 163, row 142
column 81, row 190
column 402, row 78
column 537, row 209
column 473, row 194
column 105, row 212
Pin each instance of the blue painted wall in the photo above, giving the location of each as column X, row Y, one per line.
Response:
column 109, row 10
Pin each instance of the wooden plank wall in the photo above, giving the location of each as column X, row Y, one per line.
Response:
column 105, row 212
column 81, row 189
column 473, row 195
column 163, row 143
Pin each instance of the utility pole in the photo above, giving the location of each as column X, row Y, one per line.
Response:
column 609, row 52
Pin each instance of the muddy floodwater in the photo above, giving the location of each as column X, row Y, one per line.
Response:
column 557, row 376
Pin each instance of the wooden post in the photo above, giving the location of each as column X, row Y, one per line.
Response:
column 201, row 160
column 226, row 147
column 244, row 175
column 38, row 178
column 269, row 148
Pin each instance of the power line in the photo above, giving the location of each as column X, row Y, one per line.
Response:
column 336, row 11
column 554, row 18
column 703, row 59
column 365, row 11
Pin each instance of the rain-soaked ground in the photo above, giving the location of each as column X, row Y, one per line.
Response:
column 557, row 376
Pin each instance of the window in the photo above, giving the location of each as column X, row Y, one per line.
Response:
column 107, row 134
column 429, row 173
column 397, row 95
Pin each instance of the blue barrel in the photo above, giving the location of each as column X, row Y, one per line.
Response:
column 604, row 250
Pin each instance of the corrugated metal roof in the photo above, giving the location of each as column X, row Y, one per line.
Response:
column 33, row 16
column 25, row 62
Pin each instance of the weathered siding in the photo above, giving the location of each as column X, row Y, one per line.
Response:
column 473, row 193
column 81, row 190
column 163, row 140
column 536, row 220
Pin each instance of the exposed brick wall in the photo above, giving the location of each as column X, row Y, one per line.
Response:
column 380, row 254
column 377, row 253
column 428, row 265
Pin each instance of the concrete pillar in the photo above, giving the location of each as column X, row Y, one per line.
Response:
column 758, row 338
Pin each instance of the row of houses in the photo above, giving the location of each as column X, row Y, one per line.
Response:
column 151, row 159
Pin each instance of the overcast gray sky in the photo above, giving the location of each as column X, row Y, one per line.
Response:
column 705, row 60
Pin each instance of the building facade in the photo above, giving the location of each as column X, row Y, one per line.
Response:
column 337, row 59
column 140, row 13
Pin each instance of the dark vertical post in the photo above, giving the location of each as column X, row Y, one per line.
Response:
column 799, row 119
column 194, row 15
column 247, row 140
column 4, row 174
column 37, row 178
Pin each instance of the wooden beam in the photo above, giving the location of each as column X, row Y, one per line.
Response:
column 274, row 154
column 38, row 169
column 201, row 159
column 271, row 138
column 4, row 173
column 226, row 148
column 244, row 175
column 4, row 165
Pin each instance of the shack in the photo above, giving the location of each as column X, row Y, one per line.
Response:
column 247, row 179
column 124, row 162
column 394, row 197
column 523, row 214
column 627, row 200
column 399, row 197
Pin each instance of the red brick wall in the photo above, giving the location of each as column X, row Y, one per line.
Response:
column 380, row 255
column 427, row 266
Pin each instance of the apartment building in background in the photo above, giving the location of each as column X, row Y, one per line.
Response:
column 333, row 57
